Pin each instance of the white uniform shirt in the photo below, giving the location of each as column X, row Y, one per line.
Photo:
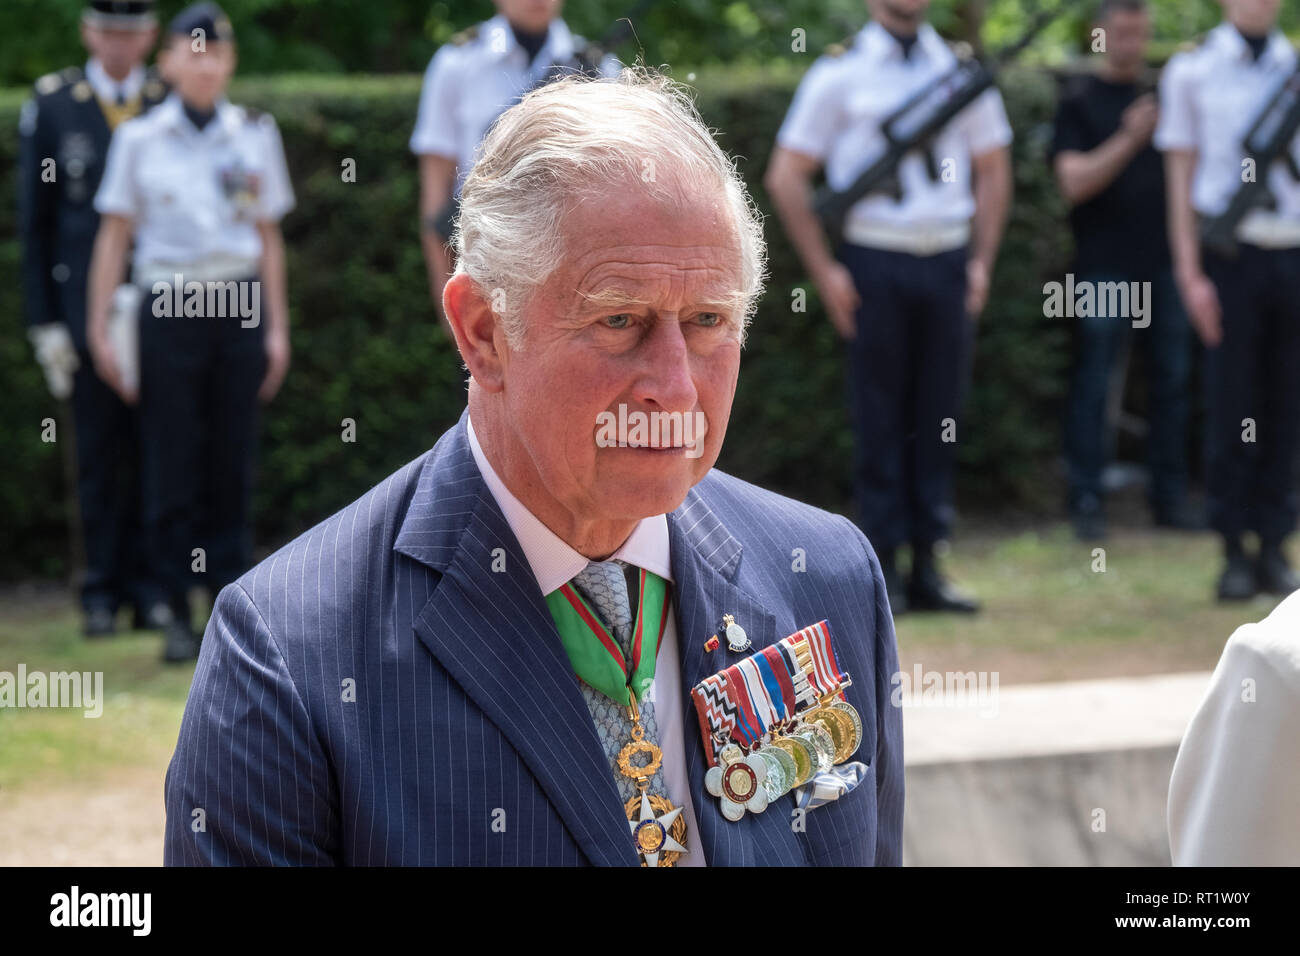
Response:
column 196, row 196
column 1234, row 796
column 837, row 113
column 1209, row 98
column 554, row 563
column 467, row 86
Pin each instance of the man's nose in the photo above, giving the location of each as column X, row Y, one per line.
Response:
column 667, row 379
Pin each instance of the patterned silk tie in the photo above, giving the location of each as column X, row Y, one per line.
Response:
column 604, row 585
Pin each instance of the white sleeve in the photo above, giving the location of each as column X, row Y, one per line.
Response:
column 435, row 124
column 986, row 125
column 1176, row 128
column 118, row 194
column 815, row 116
column 1232, row 794
column 277, row 197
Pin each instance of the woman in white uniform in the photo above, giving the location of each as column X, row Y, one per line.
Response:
column 200, row 186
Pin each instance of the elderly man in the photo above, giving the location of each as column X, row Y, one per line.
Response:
column 439, row 673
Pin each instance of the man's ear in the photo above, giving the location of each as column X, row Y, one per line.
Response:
column 475, row 326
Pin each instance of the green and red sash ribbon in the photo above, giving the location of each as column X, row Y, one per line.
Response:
column 595, row 653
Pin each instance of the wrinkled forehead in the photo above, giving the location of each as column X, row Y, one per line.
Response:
column 666, row 237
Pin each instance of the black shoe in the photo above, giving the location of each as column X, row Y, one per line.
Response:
column 180, row 643
column 931, row 591
column 1238, row 581
column 155, row 617
column 893, row 585
column 1089, row 520
column 1274, row 573
column 1179, row 516
column 99, row 622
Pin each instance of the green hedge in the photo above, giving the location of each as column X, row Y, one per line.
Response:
column 366, row 346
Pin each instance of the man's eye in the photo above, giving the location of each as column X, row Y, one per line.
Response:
column 620, row 321
column 710, row 319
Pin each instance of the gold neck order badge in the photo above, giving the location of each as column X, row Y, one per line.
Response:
column 658, row 829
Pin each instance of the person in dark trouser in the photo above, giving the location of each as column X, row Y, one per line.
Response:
column 1244, row 304
column 201, row 185
column 1113, row 179
column 65, row 130
column 905, row 286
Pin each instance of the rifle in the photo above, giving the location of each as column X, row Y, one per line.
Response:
column 586, row 60
column 1268, row 141
column 915, row 125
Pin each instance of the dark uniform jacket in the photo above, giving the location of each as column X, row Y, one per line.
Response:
column 63, row 122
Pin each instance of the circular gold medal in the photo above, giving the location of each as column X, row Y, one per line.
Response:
column 801, row 755
column 840, row 728
column 820, row 743
column 844, row 707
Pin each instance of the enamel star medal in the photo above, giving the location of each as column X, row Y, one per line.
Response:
column 658, row 830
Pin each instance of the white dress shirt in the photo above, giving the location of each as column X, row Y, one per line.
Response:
column 467, row 86
column 1234, row 795
column 108, row 89
column 554, row 563
column 842, row 101
column 196, row 196
column 1209, row 98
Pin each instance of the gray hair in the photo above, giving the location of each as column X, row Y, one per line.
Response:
column 572, row 140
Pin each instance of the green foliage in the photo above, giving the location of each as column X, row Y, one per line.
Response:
column 393, row 36
column 366, row 345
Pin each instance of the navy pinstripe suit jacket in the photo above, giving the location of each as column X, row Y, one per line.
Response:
column 374, row 693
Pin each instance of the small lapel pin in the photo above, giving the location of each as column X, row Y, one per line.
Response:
column 711, row 644
column 737, row 639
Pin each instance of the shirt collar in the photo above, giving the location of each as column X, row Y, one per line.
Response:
column 552, row 560
column 879, row 44
column 557, row 48
column 1228, row 39
column 107, row 88
column 171, row 113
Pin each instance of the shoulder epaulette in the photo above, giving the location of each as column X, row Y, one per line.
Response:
column 468, row 35
column 840, row 47
column 53, row 82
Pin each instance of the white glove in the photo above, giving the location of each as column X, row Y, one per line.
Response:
column 57, row 356
column 124, row 332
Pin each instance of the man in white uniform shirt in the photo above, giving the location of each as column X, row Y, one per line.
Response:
column 1244, row 304
column 469, row 83
column 906, row 284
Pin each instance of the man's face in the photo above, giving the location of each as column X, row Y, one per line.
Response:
column 1252, row 16
column 1127, row 35
column 899, row 15
column 200, row 76
column 664, row 338
column 119, row 51
column 534, row 16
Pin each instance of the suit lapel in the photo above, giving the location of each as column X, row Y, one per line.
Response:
column 705, row 561
column 492, row 632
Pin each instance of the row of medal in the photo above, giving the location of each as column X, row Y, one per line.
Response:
column 776, row 720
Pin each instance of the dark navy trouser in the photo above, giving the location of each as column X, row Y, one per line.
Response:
column 1254, row 373
column 907, row 370
column 1167, row 342
column 108, row 494
column 199, row 377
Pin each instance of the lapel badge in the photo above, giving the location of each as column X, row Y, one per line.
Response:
column 711, row 644
column 737, row 639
